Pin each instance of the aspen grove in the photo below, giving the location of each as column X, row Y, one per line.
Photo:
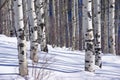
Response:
column 92, row 26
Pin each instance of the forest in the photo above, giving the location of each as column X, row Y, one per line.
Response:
column 90, row 28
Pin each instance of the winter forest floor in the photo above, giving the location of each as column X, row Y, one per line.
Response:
column 60, row 64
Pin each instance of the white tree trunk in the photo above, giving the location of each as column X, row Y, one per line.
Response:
column 89, row 52
column 18, row 11
column 112, row 26
column 74, row 19
column 25, row 14
column 43, row 26
column 33, row 31
column 97, row 29
column 38, row 14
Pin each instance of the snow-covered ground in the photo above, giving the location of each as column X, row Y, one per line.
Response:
column 59, row 63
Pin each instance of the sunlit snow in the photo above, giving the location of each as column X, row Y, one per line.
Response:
column 62, row 63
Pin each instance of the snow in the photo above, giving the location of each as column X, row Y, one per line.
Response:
column 59, row 64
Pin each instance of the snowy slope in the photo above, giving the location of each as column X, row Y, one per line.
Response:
column 61, row 63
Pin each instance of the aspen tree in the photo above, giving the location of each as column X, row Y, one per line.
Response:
column 38, row 15
column 74, row 19
column 97, row 29
column 33, row 31
column 89, row 44
column 105, row 29
column 19, row 24
column 43, row 26
column 10, row 11
column 84, row 21
column 25, row 14
column 112, row 26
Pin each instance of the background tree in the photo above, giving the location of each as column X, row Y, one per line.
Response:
column 97, row 31
column 112, row 26
column 33, row 31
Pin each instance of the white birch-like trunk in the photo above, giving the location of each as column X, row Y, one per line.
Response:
column 112, row 26
column 41, row 5
column 18, row 15
column 78, row 41
column 97, row 29
column 25, row 14
column 89, row 44
column 43, row 26
column 38, row 14
column 33, row 31
column 74, row 19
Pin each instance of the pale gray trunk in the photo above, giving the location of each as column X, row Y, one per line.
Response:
column 43, row 26
column 33, row 31
column 38, row 6
column 10, row 18
column 97, row 29
column 74, row 22
column 19, row 24
column 105, row 36
column 112, row 26
column 77, row 25
column 89, row 51
column 25, row 14
column 84, row 22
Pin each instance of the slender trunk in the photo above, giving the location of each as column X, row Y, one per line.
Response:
column 105, row 36
column 81, row 34
column 89, row 44
column 112, row 26
column 25, row 12
column 84, row 22
column 43, row 26
column 74, row 19
column 33, row 31
column 19, row 24
column 97, row 29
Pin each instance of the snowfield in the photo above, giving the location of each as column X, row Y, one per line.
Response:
column 59, row 64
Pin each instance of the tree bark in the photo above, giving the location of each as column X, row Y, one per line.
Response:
column 43, row 26
column 19, row 24
column 33, row 31
column 97, row 29
column 89, row 44
column 112, row 26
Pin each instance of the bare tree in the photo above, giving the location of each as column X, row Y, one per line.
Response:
column 97, row 33
column 105, row 28
column 112, row 26
column 19, row 24
column 33, row 31
column 89, row 44
column 43, row 26
column 74, row 22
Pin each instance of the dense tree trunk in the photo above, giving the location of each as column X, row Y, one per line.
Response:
column 112, row 26
column 18, row 11
column 43, row 26
column 74, row 22
column 25, row 14
column 89, row 44
column 33, row 31
column 97, row 33
column 84, row 21
column 105, row 36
